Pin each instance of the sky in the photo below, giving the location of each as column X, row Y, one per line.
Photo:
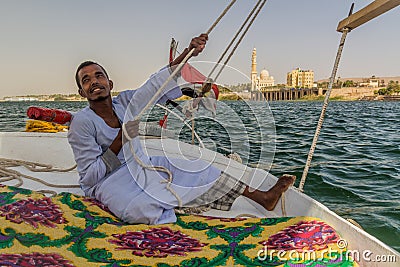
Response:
column 43, row 41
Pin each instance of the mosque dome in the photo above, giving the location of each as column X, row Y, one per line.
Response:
column 264, row 74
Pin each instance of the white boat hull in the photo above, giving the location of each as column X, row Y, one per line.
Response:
column 54, row 149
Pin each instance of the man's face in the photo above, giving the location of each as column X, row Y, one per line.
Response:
column 94, row 82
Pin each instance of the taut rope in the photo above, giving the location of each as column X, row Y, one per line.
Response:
column 242, row 36
column 208, row 79
column 234, row 38
column 179, row 67
column 220, row 16
column 156, row 95
column 324, row 107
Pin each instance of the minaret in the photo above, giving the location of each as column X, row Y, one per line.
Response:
column 254, row 70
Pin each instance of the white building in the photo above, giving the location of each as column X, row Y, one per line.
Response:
column 264, row 80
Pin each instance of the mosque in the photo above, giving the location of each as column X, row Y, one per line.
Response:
column 263, row 86
column 264, row 80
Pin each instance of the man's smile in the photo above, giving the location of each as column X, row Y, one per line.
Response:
column 96, row 89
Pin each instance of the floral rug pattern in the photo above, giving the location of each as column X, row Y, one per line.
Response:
column 70, row 230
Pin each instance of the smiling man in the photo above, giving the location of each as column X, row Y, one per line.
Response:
column 94, row 84
column 132, row 193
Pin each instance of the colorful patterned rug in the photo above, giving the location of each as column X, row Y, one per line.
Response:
column 69, row 230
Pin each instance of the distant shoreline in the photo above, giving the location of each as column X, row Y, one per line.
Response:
column 222, row 97
column 387, row 98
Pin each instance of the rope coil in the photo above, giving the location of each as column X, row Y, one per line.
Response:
column 7, row 174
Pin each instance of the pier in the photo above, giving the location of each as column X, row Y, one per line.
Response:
column 284, row 94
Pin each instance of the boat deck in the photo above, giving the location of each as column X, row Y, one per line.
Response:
column 53, row 149
column 71, row 230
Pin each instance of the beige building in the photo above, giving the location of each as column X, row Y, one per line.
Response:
column 300, row 78
column 370, row 82
column 264, row 80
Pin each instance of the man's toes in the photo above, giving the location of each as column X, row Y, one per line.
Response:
column 287, row 180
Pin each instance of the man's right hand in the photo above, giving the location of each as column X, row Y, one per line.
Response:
column 198, row 43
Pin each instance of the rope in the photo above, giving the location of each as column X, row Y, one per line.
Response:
column 32, row 166
column 44, row 127
column 156, row 95
column 193, row 131
column 7, row 174
column 240, row 39
column 283, row 205
column 184, row 121
column 236, row 157
column 208, row 80
column 51, row 192
column 179, row 67
column 244, row 215
column 193, row 210
column 234, row 38
column 220, row 16
column 323, row 111
column 352, row 221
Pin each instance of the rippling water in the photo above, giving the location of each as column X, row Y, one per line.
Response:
column 355, row 170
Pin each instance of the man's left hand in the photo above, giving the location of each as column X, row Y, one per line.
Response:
column 132, row 127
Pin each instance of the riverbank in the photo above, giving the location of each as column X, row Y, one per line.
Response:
column 236, row 96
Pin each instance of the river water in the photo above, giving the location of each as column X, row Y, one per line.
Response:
column 355, row 170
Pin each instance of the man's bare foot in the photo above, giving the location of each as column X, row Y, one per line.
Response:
column 270, row 198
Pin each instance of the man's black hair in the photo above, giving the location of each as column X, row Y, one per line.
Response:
column 84, row 64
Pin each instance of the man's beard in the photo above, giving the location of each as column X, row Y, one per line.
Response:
column 101, row 98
